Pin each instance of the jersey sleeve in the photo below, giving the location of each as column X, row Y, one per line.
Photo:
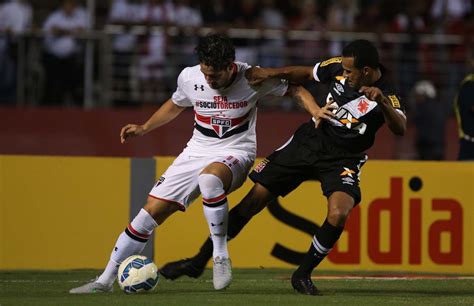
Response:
column 466, row 92
column 179, row 97
column 327, row 70
column 275, row 87
column 396, row 103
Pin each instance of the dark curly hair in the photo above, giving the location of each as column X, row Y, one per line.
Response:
column 363, row 52
column 216, row 50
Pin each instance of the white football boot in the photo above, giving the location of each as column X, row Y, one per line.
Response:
column 92, row 287
column 222, row 273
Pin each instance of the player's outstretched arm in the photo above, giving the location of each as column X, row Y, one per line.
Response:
column 304, row 98
column 294, row 74
column 395, row 121
column 167, row 112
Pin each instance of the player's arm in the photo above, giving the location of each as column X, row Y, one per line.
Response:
column 306, row 100
column 394, row 118
column 167, row 112
column 294, row 74
column 322, row 72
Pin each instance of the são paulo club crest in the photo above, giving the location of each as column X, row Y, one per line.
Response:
column 221, row 125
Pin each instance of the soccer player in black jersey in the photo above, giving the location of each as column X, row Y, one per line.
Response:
column 329, row 148
column 464, row 110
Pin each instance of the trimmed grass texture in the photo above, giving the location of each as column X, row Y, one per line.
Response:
column 249, row 287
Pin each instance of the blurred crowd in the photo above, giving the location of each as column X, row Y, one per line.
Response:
column 144, row 63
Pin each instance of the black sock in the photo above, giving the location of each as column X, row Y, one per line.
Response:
column 204, row 254
column 235, row 224
column 323, row 241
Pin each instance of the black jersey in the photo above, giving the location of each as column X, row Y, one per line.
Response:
column 357, row 118
column 463, row 107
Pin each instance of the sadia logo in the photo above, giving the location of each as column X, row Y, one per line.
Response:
column 429, row 223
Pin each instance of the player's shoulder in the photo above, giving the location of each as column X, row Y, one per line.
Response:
column 328, row 69
column 189, row 74
column 337, row 60
column 388, row 89
column 386, row 83
column 242, row 69
column 386, row 86
column 241, row 66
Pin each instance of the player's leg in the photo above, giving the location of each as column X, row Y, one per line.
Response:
column 131, row 241
column 134, row 238
column 214, row 180
column 175, row 190
column 340, row 205
column 272, row 177
column 255, row 201
column 340, row 184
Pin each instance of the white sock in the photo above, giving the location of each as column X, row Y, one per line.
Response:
column 216, row 211
column 130, row 242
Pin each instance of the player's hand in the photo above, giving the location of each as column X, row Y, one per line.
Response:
column 131, row 130
column 372, row 93
column 325, row 113
column 256, row 75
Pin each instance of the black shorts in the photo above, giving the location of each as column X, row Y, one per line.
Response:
column 287, row 167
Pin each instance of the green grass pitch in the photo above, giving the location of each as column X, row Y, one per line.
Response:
column 249, row 287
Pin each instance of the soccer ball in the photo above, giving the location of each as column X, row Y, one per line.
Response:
column 137, row 274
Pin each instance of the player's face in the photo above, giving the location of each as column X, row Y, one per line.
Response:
column 355, row 77
column 217, row 78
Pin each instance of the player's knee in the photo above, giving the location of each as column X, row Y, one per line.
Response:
column 339, row 207
column 256, row 200
column 160, row 210
column 210, row 185
column 338, row 214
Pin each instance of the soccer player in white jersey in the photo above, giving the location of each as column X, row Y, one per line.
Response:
column 216, row 159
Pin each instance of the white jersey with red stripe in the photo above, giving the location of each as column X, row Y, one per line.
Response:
column 224, row 118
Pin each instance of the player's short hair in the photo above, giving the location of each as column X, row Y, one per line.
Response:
column 216, row 50
column 363, row 52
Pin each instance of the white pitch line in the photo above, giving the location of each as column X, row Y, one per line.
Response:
column 38, row 281
column 412, row 277
column 316, row 278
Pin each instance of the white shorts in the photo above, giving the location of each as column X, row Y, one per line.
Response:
column 179, row 183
